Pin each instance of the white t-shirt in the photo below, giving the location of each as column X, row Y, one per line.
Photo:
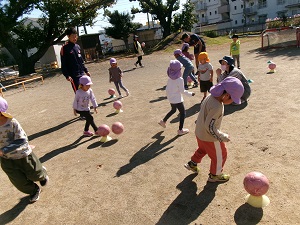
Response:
column 175, row 89
column 204, row 71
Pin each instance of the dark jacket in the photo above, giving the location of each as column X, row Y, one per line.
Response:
column 72, row 64
column 194, row 40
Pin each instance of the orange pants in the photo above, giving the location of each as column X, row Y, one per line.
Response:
column 216, row 151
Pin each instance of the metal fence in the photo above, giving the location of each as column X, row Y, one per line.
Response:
column 91, row 54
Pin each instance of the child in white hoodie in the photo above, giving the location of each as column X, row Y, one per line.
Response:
column 175, row 89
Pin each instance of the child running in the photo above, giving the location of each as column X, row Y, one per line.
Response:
column 209, row 137
column 18, row 161
column 188, row 68
column 83, row 96
column 175, row 90
column 115, row 75
column 206, row 73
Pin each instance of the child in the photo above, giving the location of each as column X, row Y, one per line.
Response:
column 206, row 73
column 185, row 51
column 83, row 96
column 175, row 90
column 138, row 51
column 115, row 75
column 18, row 161
column 235, row 50
column 209, row 137
column 188, row 68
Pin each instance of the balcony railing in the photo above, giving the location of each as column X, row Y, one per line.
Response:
column 201, row 7
column 251, row 11
column 293, row 3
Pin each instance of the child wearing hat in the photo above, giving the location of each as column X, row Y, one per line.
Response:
column 115, row 75
column 188, row 68
column 84, row 95
column 18, row 161
column 235, row 50
column 185, row 51
column 174, row 90
column 205, row 73
column 209, row 137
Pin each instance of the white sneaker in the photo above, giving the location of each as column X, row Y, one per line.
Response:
column 183, row 131
column 120, row 96
column 127, row 93
column 162, row 123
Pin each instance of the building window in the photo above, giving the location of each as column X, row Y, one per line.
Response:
column 262, row 18
column 202, row 15
column 210, row 13
column 242, row 6
column 242, row 21
column 216, row 12
column 235, row 7
column 235, row 22
column 280, row 2
column 262, row 4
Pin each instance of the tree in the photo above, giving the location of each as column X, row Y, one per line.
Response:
column 122, row 26
column 160, row 11
column 18, row 37
column 184, row 20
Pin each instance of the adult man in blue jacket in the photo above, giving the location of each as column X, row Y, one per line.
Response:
column 196, row 41
column 72, row 64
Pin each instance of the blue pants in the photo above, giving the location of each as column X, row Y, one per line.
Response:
column 119, row 85
column 188, row 71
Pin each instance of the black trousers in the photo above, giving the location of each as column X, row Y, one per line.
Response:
column 139, row 61
column 89, row 120
column 181, row 110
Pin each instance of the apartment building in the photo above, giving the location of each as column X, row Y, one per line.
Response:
column 240, row 14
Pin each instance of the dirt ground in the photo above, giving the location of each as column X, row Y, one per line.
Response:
column 138, row 177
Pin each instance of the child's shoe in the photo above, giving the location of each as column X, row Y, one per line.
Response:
column 183, row 131
column 88, row 133
column 218, row 178
column 162, row 123
column 195, row 85
column 45, row 181
column 35, row 196
column 120, row 96
column 127, row 93
column 135, row 64
column 192, row 166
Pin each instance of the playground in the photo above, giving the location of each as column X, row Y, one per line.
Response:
column 138, row 177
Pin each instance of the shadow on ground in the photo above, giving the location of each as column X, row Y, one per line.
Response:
column 63, row 149
column 188, row 206
column 229, row 109
column 12, row 214
column 248, row 215
column 146, row 153
column 52, row 129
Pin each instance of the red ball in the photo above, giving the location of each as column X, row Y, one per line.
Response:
column 255, row 183
column 117, row 104
column 111, row 91
column 103, row 130
column 272, row 66
column 117, row 128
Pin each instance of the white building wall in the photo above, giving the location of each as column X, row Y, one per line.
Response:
column 267, row 9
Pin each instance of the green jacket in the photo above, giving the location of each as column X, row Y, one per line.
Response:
column 235, row 48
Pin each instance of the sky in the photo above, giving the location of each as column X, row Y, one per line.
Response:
column 123, row 6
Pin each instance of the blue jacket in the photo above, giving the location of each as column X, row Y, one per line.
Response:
column 72, row 64
column 185, row 61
